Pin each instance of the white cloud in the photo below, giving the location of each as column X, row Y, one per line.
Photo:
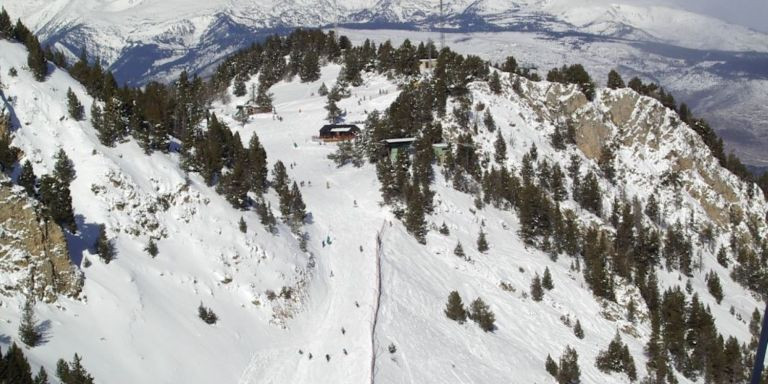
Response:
column 749, row 13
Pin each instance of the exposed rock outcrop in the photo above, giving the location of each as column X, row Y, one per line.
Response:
column 647, row 132
column 33, row 251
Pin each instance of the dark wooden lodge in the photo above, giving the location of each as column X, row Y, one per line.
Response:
column 339, row 132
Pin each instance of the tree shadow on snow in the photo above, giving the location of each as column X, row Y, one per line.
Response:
column 7, row 106
column 43, row 329
column 82, row 241
column 5, row 339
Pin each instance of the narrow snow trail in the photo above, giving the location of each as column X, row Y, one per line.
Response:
column 377, row 301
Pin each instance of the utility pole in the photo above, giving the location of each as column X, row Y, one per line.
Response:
column 757, row 372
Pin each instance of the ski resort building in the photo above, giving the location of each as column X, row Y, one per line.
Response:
column 250, row 109
column 395, row 146
column 338, row 132
column 427, row 64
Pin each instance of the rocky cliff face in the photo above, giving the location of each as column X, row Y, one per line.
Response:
column 33, row 251
column 671, row 154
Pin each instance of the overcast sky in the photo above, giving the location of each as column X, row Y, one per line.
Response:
column 750, row 13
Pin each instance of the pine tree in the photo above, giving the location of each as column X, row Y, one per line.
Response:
column 546, row 281
column 754, row 323
column 151, row 248
column 323, row 90
column 239, row 89
column 257, row 166
column 109, row 123
column 444, row 230
column 488, row 121
column 242, row 225
column 589, row 195
column 578, row 331
column 298, row 208
column 41, row 377
column 334, row 112
column 459, row 250
column 500, row 156
column 617, row 359
column 606, row 162
column 36, row 58
column 63, row 169
column 6, row 26
column 8, row 153
column 510, row 65
column 629, row 364
column 537, row 292
column 351, row 70
column 266, row 217
column 733, row 362
column 415, row 222
column 557, row 184
column 558, row 138
column 310, row 67
column 206, row 314
column 517, row 87
column 28, row 325
column 27, row 178
column 482, row 243
column 264, row 99
column 494, row 83
column 568, row 371
column 57, row 200
column 234, row 185
column 454, row 309
column 280, row 179
column 614, row 80
column 74, row 372
column 97, row 117
column 713, row 284
column 551, row 366
column 652, row 209
column 104, row 247
column 631, row 310
column 14, row 367
column 480, row 313
column 75, row 108
column 722, row 257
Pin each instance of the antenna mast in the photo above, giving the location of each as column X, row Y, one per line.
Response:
column 442, row 27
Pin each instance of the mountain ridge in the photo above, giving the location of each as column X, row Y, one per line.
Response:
column 706, row 62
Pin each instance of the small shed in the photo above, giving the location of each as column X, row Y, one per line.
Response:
column 339, row 132
column 247, row 110
column 440, row 149
column 427, row 64
column 395, row 146
column 405, row 144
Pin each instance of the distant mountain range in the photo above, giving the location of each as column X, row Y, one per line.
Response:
column 715, row 63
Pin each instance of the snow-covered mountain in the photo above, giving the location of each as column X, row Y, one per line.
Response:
column 330, row 314
column 153, row 34
column 708, row 63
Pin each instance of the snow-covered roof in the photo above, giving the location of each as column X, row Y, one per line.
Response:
column 344, row 129
column 401, row 140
